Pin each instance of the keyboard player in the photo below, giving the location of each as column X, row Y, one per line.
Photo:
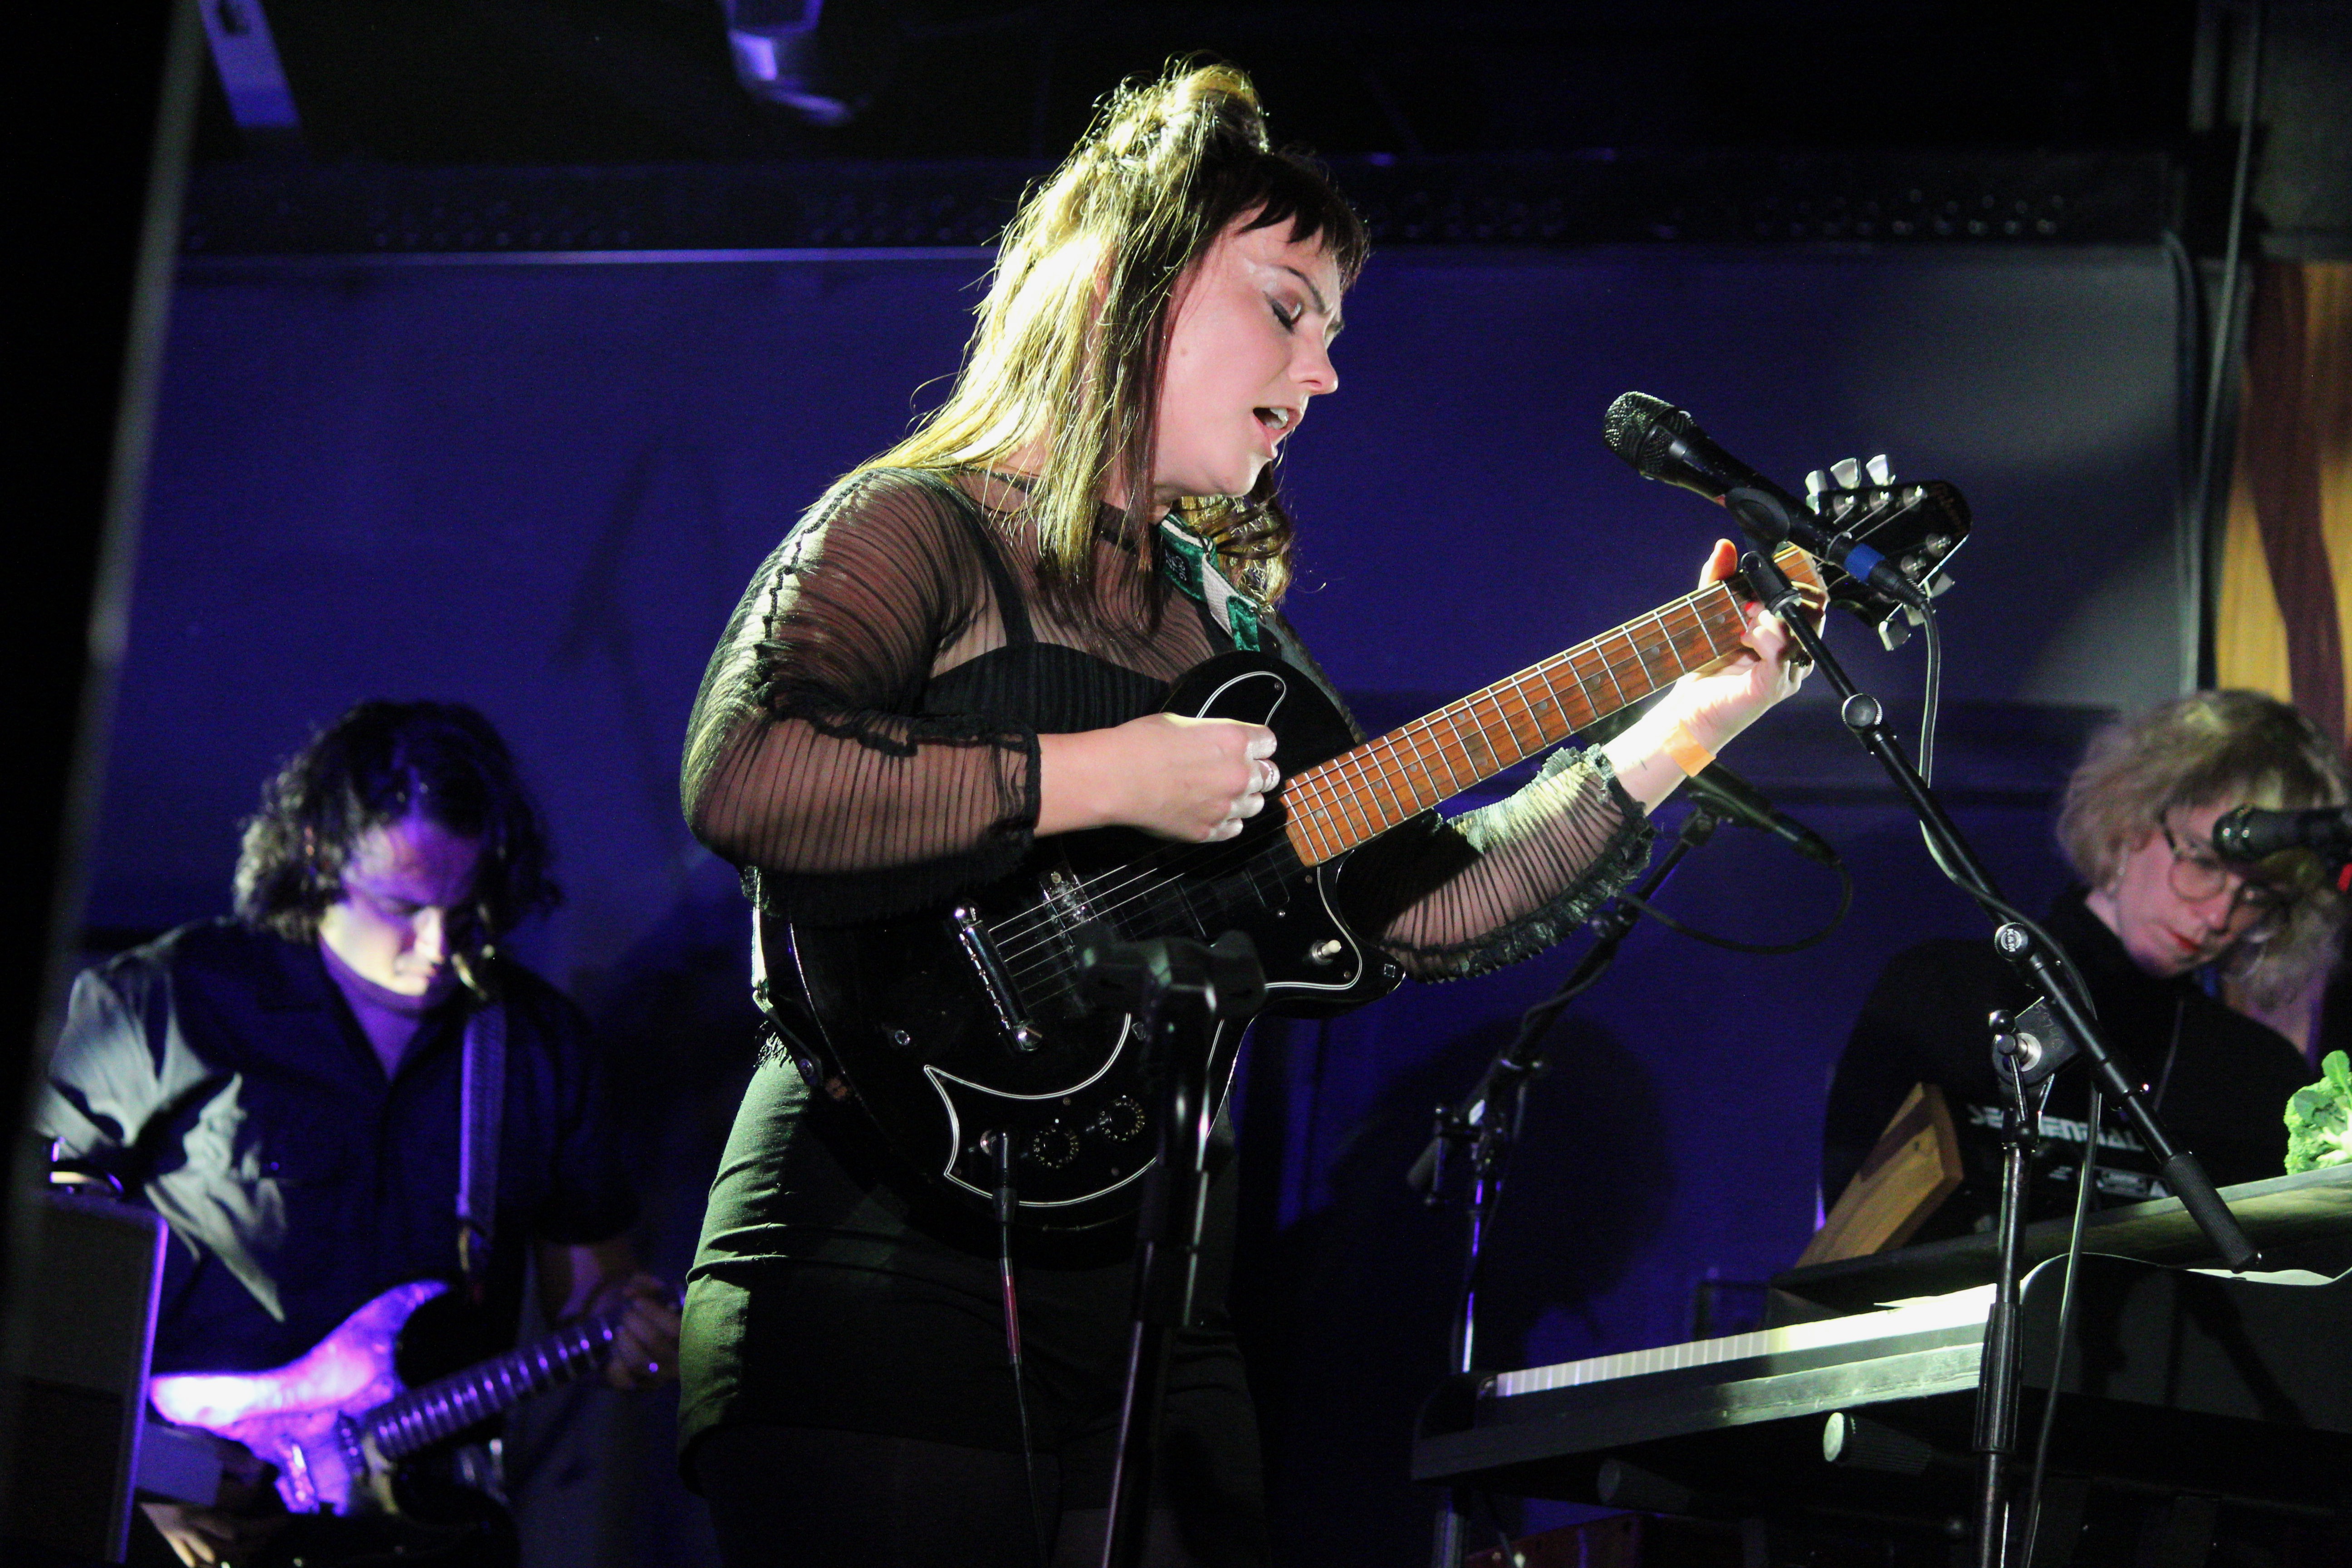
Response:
column 2161, row 931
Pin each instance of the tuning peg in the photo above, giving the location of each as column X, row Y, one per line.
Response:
column 1881, row 471
column 1893, row 632
column 1942, row 583
column 1815, row 483
column 1847, row 473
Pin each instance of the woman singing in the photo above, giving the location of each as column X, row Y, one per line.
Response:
column 964, row 646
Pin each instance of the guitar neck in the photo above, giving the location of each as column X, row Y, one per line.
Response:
column 1362, row 794
column 426, row 1415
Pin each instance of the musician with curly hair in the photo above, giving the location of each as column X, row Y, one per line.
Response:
column 284, row 1087
column 2165, row 935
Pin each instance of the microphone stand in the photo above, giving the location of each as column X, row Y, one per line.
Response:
column 1177, row 992
column 1485, row 1126
column 2030, row 952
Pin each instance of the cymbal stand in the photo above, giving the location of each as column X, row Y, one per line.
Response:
column 1485, row 1126
column 2034, row 955
column 1178, row 992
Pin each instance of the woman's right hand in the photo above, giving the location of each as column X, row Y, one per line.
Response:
column 1193, row 780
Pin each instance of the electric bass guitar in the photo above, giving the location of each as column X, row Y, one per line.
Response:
column 951, row 1026
column 337, row 1423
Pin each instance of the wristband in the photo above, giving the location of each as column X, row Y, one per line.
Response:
column 1687, row 753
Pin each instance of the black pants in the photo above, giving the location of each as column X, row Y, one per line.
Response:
column 798, row 1497
column 846, row 1398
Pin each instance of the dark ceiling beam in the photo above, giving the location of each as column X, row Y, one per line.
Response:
column 1722, row 198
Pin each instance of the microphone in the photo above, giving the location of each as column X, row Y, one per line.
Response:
column 1734, row 799
column 2249, row 833
column 1663, row 442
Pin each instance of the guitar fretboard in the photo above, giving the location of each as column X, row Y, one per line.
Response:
column 1362, row 794
column 427, row 1414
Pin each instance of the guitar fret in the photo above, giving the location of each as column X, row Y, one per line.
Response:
column 1527, row 709
column 420, row 1416
column 1351, row 769
column 1425, row 751
column 1569, row 720
column 1484, row 756
column 1330, row 807
column 1609, row 668
column 1649, row 676
column 1540, row 706
column 1358, row 820
column 1706, row 623
column 1386, row 777
column 1444, row 733
column 1442, row 750
column 1666, row 633
column 1333, row 816
column 1465, row 744
column 1560, row 699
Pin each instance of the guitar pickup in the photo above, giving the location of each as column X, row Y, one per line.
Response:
column 973, row 936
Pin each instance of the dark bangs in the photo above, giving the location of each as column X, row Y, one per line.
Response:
column 1289, row 186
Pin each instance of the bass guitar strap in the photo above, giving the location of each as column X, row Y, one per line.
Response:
column 481, row 1109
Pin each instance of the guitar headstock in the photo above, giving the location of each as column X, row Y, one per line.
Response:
column 1918, row 526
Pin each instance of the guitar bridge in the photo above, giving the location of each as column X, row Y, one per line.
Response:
column 973, row 936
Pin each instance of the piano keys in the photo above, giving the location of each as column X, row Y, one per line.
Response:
column 2237, row 1388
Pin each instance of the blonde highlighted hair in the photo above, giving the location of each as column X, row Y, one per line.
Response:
column 1066, row 361
column 2230, row 748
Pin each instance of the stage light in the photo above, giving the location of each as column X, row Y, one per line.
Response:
column 820, row 61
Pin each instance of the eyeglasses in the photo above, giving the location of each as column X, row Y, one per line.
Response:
column 2196, row 874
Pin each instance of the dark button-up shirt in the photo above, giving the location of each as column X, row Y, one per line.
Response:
column 2216, row 1080
column 221, row 1074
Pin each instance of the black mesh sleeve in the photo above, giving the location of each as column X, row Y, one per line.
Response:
column 807, row 752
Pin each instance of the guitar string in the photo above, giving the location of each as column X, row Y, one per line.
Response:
column 1376, row 762
column 1175, row 900
column 1312, row 798
column 1498, row 695
column 1512, row 685
column 1056, row 973
column 1315, row 795
column 1041, row 922
column 1499, row 699
column 1318, row 794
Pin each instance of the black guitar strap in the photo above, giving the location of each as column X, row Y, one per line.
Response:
column 481, row 1112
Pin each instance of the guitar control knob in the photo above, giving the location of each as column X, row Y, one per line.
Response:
column 1119, row 1120
column 1053, row 1147
column 1327, row 951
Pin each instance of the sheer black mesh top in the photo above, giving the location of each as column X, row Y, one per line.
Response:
column 866, row 738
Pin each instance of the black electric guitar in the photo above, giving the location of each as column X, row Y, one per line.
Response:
column 949, row 1026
